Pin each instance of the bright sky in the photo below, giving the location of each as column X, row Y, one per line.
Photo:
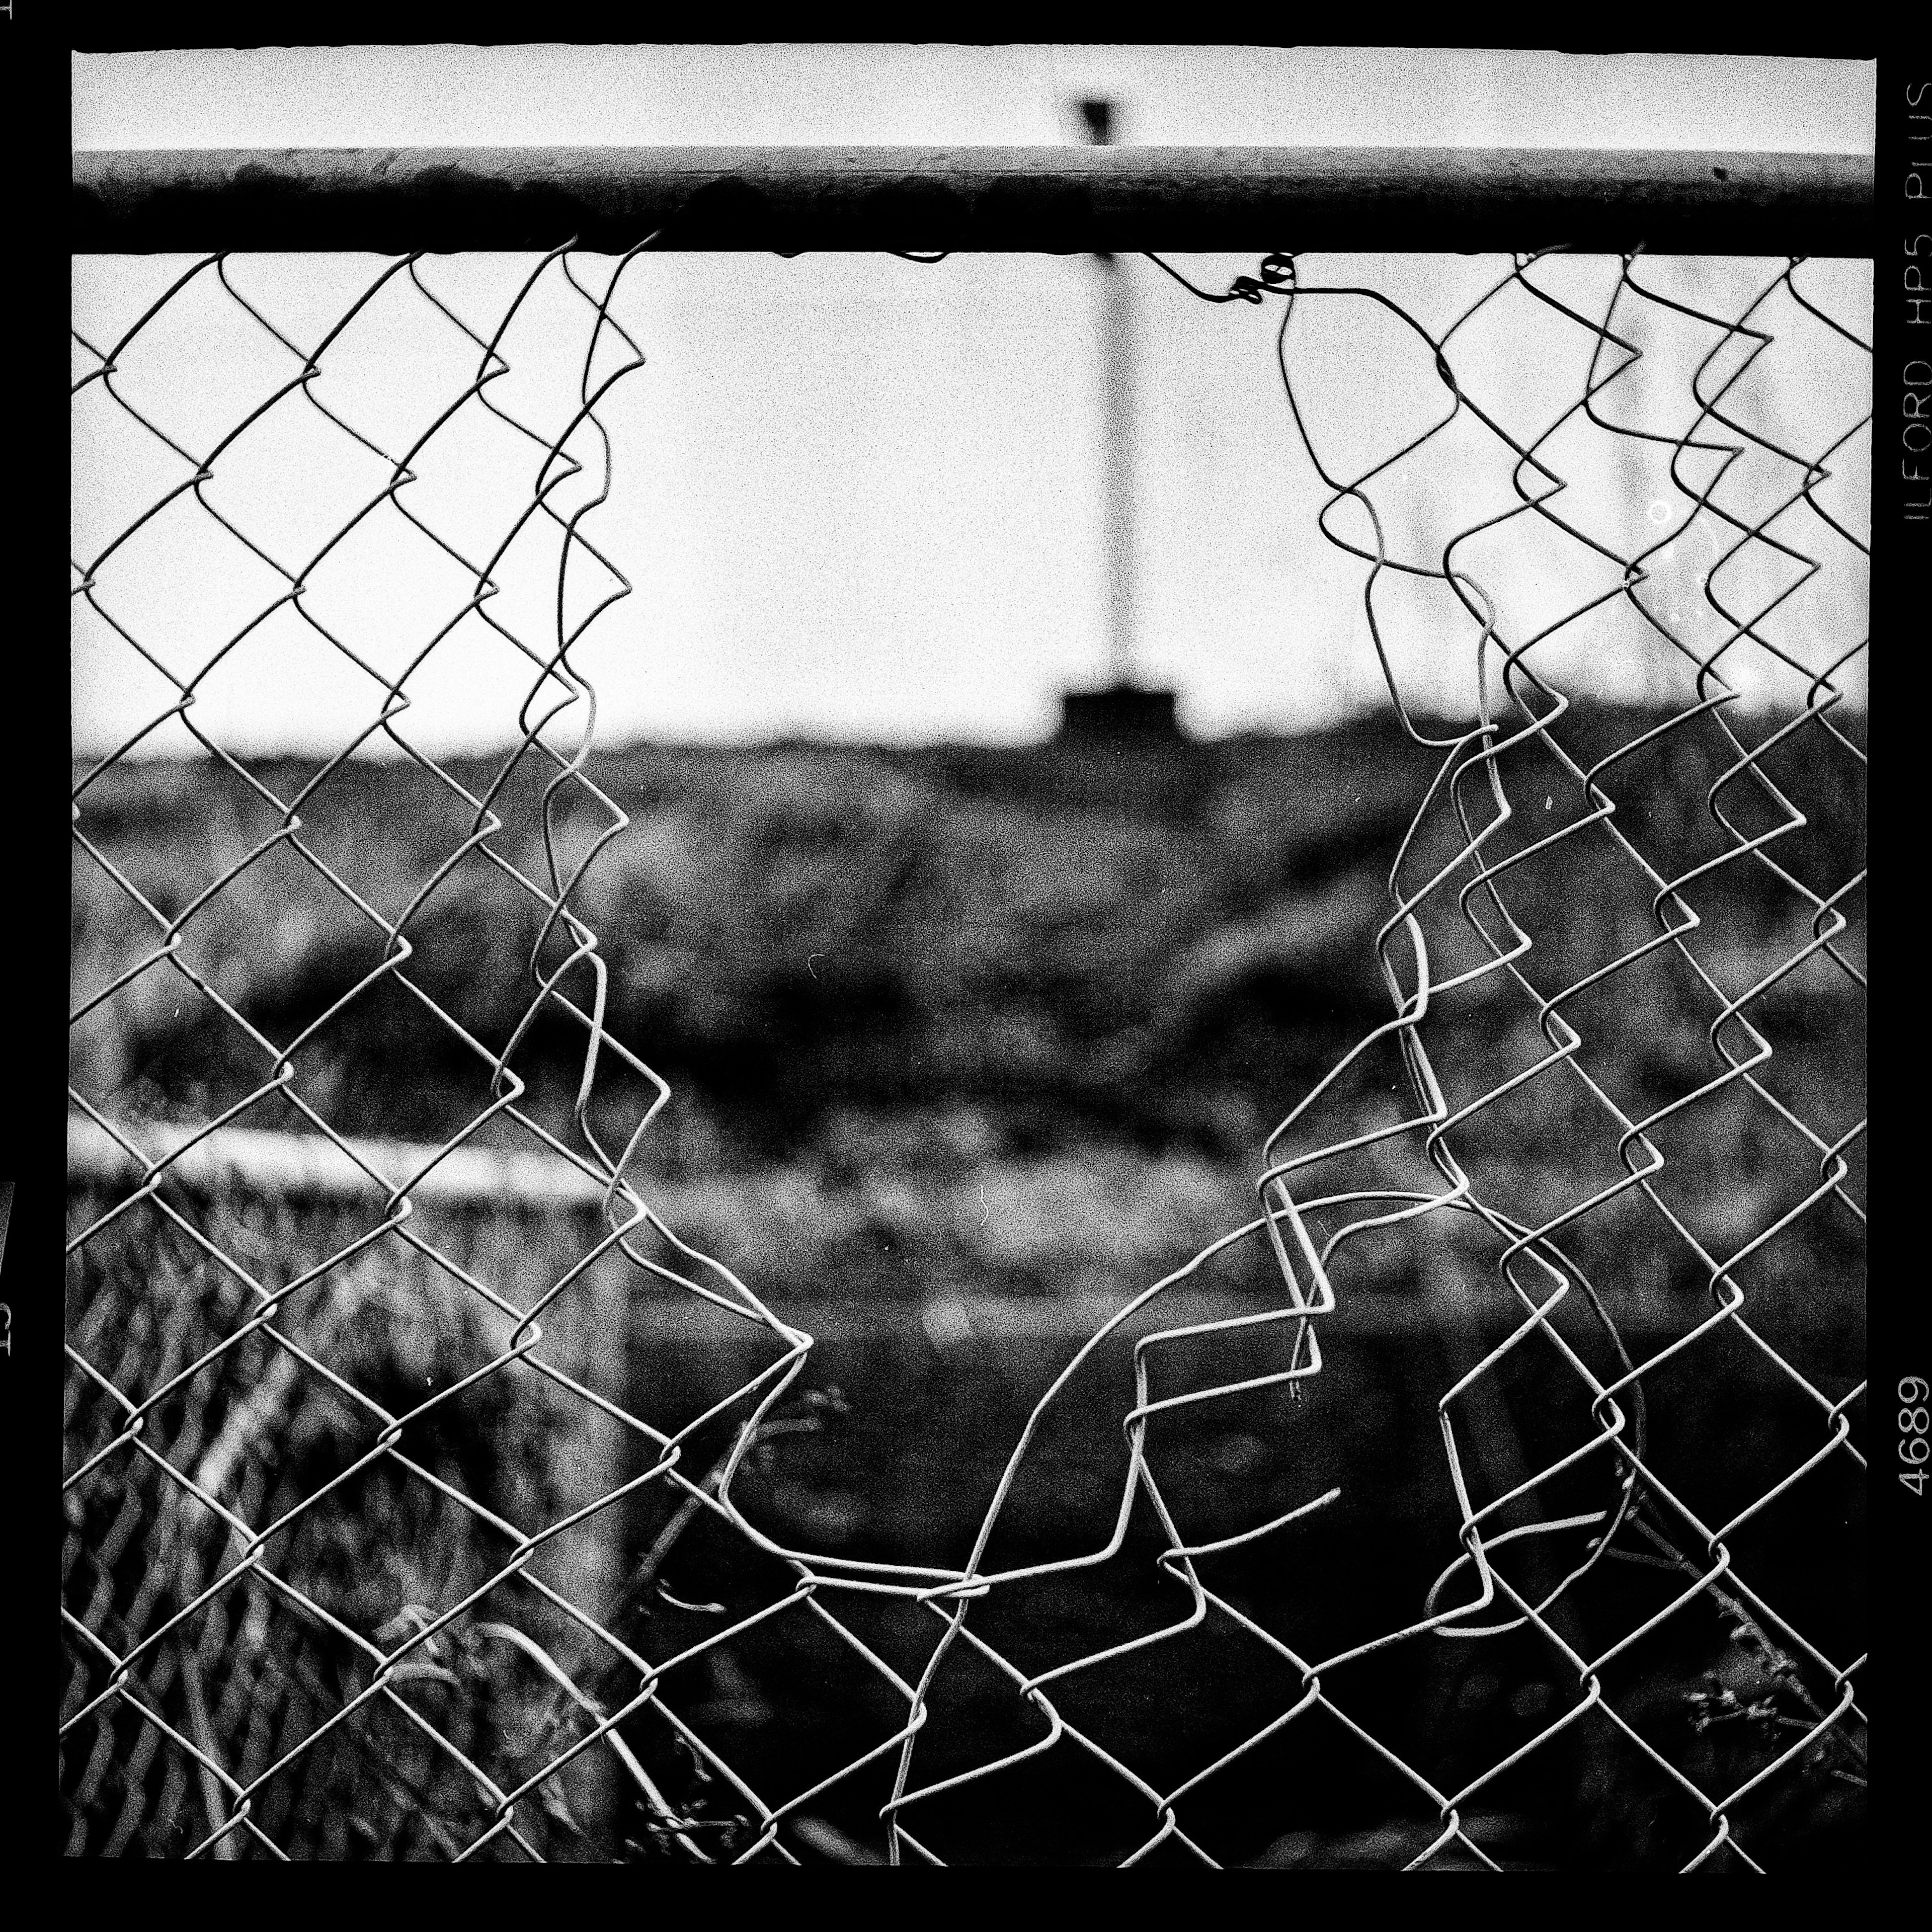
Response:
column 1315, row 96
column 857, row 498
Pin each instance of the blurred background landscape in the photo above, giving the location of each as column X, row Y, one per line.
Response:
column 970, row 1045
column 1060, row 973
column 972, row 1032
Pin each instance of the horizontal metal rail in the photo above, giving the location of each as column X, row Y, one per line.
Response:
column 311, row 1167
column 1053, row 200
column 311, row 1171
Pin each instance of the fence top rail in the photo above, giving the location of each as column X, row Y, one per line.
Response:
column 1041, row 199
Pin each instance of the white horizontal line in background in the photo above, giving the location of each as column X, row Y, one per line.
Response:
column 312, row 1167
column 949, row 1315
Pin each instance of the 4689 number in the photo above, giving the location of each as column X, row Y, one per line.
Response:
column 1913, row 1446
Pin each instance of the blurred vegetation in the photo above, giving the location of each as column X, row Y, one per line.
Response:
column 952, row 964
column 980, row 1022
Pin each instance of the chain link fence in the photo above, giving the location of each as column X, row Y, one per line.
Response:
column 430, row 1496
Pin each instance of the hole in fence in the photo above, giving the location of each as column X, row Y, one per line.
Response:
column 970, row 1043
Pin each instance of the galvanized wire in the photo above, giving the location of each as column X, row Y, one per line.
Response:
column 292, row 1630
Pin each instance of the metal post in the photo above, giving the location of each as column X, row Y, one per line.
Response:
column 1117, row 431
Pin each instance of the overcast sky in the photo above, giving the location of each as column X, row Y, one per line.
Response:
column 857, row 498
column 1319, row 96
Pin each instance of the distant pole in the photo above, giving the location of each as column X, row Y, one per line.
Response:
column 1116, row 437
column 1121, row 713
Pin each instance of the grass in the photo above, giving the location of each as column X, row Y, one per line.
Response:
column 979, row 1025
